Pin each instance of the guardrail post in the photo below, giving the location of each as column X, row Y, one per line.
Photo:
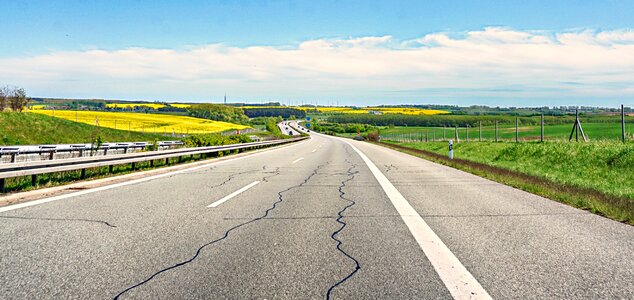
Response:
column 13, row 157
column 167, row 161
column 133, row 166
column 33, row 180
column 180, row 159
column 152, row 163
column 110, row 168
column 81, row 152
column 125, row 150
column 83, row 174
column 51, row 155
column 2, row 185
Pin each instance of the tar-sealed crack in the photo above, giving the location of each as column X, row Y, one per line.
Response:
column 60, row 219
column 225, row 235
column 390, row 167
column 351, row 203
column 231, row 178
column 273, row 174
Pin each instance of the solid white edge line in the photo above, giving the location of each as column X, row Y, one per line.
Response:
column 238, row 192
column 458, row 280
column 297, row 160
column 116, row 185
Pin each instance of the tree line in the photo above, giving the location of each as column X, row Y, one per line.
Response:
column 14, row 98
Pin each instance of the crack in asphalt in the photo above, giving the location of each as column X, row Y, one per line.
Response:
column 273, row 174
column 225, row 235
column 351, row 176
column 59, row 219
column 231, row 178
column 390, row 167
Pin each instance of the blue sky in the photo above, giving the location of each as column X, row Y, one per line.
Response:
column 119, row 49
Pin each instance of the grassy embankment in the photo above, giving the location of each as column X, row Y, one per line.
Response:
column 595, row 176
column 28, row 128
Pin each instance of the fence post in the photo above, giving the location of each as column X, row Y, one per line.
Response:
column 457, row 138
column 480, row 125
column 3, row 185
column 496, row 131
column 542, row 130
column 467, row 133
column 622, row 123
column 517, row 132
column 443, row 133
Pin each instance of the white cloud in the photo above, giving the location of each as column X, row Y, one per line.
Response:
column 499, row 64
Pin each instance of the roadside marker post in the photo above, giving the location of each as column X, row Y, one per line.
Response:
column 450, row 149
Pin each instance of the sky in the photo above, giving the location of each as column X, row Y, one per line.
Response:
column 496, row 53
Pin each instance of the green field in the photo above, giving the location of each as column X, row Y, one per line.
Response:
column 594, row 131
column 29, row 129
column 606, row 167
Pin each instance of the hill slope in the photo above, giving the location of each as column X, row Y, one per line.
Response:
column 28, row 128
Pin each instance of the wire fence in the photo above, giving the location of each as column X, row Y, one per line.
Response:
column 575, row 131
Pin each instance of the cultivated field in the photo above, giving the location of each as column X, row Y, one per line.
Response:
column 140, row 122
column 150, row 105
column 363, row 110
column 594, row 131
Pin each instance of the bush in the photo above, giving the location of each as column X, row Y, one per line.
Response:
column 214, row 140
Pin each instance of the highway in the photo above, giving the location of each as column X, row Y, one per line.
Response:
column 325, row 218
column 288, row 130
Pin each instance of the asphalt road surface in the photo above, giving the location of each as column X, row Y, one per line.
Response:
column 286, row 129
column 324, row 218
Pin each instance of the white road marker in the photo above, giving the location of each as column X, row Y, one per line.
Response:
column 116, row 185
column 248, row 186
column 458, row 280
column 297, row 160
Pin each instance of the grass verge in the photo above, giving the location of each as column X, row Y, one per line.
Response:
column 605, row 197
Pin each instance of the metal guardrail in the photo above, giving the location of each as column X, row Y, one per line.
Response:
column 34, row 168
column 14, row 151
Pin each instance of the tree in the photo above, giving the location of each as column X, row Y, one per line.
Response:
column 4, row 93
column 18, row 99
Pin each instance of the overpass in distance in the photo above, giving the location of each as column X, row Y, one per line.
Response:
column 322, row 218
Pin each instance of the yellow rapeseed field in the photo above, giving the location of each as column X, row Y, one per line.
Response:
column 158, row 123
column 365, row 110
column 150, row 105
column 132, row 105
